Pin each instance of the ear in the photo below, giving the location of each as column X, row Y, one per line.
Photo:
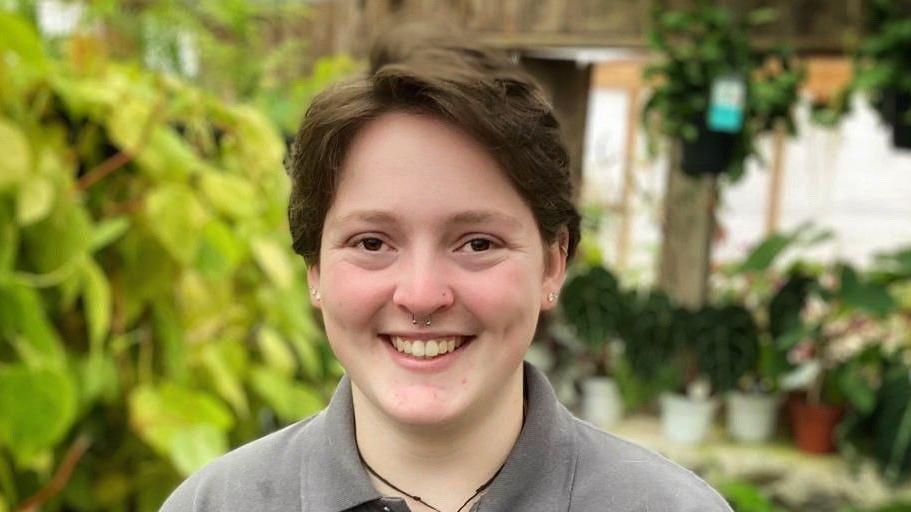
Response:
column 554, row 269
column 313, row 282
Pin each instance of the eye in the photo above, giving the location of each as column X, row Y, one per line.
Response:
column 479, row 244
column 371, row 244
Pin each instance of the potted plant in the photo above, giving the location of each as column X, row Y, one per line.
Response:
column 724, row 341
column 755, row 282
column 593, row 306
column 752, row 407
column 878, row 425
column 883, row 67
column 658, row 352
column 880, row 429
column 839, row 319
column 712, row 90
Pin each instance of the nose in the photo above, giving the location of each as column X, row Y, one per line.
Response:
column 423, row 286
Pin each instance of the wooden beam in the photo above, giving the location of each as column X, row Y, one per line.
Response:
column 773, row 211
column 624, row 240
column 346, row 26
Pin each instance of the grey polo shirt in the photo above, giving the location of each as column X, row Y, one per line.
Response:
column 559, row 463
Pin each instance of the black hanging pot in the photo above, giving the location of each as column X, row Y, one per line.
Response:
column 710, row 153
column 901, row 126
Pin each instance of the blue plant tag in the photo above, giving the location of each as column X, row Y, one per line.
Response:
column 726, row 106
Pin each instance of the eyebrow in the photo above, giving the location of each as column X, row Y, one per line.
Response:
column 465, row 217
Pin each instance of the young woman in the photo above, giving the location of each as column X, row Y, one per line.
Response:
column 432, row 201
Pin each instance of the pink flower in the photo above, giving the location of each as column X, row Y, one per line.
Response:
column 802, row 352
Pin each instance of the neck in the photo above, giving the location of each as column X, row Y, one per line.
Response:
column 443, row 464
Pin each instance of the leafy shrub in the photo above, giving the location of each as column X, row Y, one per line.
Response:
column 151, row 312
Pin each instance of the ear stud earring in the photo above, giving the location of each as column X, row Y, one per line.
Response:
column 551, row 297
column 315, row 293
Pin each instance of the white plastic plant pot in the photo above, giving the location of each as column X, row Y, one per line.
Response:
column 686, row 420
column 601, row 401
column 752, row 417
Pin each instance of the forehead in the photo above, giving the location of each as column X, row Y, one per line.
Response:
column 411, row 166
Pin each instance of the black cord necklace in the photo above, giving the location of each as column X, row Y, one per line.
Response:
column 418, row 498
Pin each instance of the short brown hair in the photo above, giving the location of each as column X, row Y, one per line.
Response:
column 473, row 88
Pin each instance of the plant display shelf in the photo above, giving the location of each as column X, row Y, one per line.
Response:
column 777, row 467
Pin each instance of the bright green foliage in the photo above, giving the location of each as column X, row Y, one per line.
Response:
column 746, row 497
column 149, row 300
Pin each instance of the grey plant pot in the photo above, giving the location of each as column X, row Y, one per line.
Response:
column 602, row 404
column 752, row 417
column 686, row 420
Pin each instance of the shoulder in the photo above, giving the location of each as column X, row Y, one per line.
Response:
column 263, row 475
column 629, row 477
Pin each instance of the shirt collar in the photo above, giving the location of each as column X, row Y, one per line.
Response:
column 537, row 475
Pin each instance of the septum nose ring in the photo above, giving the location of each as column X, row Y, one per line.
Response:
column 426, row 322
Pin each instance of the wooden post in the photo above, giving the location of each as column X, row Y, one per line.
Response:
column 688, row 228
column 773, row 212
column 624, row 240
column 567, row 85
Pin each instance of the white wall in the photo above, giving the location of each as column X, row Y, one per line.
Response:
column 849, row 179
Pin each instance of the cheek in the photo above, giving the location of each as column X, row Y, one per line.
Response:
column 351, row 296
column 502, row 298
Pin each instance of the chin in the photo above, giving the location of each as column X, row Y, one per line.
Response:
column 422, row 407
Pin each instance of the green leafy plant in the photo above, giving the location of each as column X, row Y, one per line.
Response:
column 594, row 306
column 882, row 67
column 652, row 337
column 151, row 312
column 883, row 59
column 242, row 50
column 774, row 295
column 696, row 47
column 881, row 428
column 725, row 342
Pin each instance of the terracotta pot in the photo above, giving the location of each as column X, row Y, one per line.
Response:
column 813, row 424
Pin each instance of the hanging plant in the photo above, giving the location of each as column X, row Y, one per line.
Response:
column 882, row 70
column 883, row 67
column 712, row 90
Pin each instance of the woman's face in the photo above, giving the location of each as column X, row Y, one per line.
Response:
column 424, row 222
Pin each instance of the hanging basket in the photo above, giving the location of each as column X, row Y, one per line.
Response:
column 710, row 153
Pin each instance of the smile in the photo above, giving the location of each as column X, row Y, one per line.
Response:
column 427, row 348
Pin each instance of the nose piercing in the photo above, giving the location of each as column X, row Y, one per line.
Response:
column 426, row 323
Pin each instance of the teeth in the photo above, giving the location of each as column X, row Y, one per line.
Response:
column 426, row 349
